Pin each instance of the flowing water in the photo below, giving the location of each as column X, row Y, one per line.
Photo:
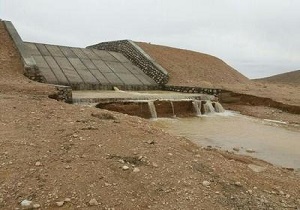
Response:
column 152, row 109
column 197, row 107
column 272, row 142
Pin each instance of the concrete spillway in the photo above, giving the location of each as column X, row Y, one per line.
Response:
column 160, row 108
column 150, row 104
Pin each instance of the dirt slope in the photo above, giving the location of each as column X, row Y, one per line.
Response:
column 193, row 68
column 53, row 152
column 292, row 78
column 188, row 68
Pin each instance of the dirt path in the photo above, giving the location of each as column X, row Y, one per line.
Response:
column 62, row 156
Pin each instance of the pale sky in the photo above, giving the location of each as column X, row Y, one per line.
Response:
column 257, row 37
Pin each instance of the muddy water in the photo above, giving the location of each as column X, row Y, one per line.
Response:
column 272, row 142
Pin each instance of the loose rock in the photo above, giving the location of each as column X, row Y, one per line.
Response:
column 38, row 163
column 135, row 170
column 36, row 206
column 250, row 150
column 26, row 203
column 93, row 202
column 67, row 199
column 236, row 149
column 256, row 168
column 125, row 168
column 60, row 203
column 206, row 183
column 238, row 184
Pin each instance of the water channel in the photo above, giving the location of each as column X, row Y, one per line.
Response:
column 273, row 142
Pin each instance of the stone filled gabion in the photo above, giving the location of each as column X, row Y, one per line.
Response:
column 64, row 93
column 137, row 56
column 186, row 89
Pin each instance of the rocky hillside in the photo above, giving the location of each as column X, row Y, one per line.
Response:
column 193, row 68
column 292, row 78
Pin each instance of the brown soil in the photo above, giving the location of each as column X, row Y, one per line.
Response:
column 50, row 151
column 291, row 78
column 190, row 68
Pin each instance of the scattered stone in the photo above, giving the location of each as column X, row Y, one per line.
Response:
column 36, row 206
column 26, row 203
column 154, row 165
column 125, row 168
column 60, row 203
column 238, row 184
column 67, row 167
column 236, row 149
column 250, row 192
column 136, row 170
column 250, row 150
column 38, row 163
column 256, row 168
column 206, row 183
column 75, row 135
column 93, row 202
column 107, row 184
column 150, row 142
column 121, row 161
column 67, row 200
column 104, row 116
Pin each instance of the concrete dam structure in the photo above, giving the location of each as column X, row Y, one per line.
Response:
column 83, row 68
column 81, row 75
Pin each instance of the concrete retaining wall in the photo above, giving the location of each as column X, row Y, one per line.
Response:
column 134, row 53
column 30, row 68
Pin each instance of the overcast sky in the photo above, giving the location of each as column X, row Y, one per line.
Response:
column 257, row 37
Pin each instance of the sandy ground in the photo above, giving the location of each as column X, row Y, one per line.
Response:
column 62, row 156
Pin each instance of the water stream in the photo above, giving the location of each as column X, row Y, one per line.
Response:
column 271, row 141
column 152, row 109
column 197, row 107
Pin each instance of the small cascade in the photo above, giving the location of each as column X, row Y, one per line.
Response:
column 208, row 107
column 152, row 109
column 173, row 110
column 218, row 107
column 197, row 107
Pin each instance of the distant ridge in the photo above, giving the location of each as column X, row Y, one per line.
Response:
column 292, row 77
column 191, row 68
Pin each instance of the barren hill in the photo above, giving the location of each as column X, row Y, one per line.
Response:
column 193, row 68
column 292, row 77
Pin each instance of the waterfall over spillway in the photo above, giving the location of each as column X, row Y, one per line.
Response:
column 152, row 109
column 164, row 108
column 173, row 110
column 218, row 107
column 197, row 107
column 208, row 108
